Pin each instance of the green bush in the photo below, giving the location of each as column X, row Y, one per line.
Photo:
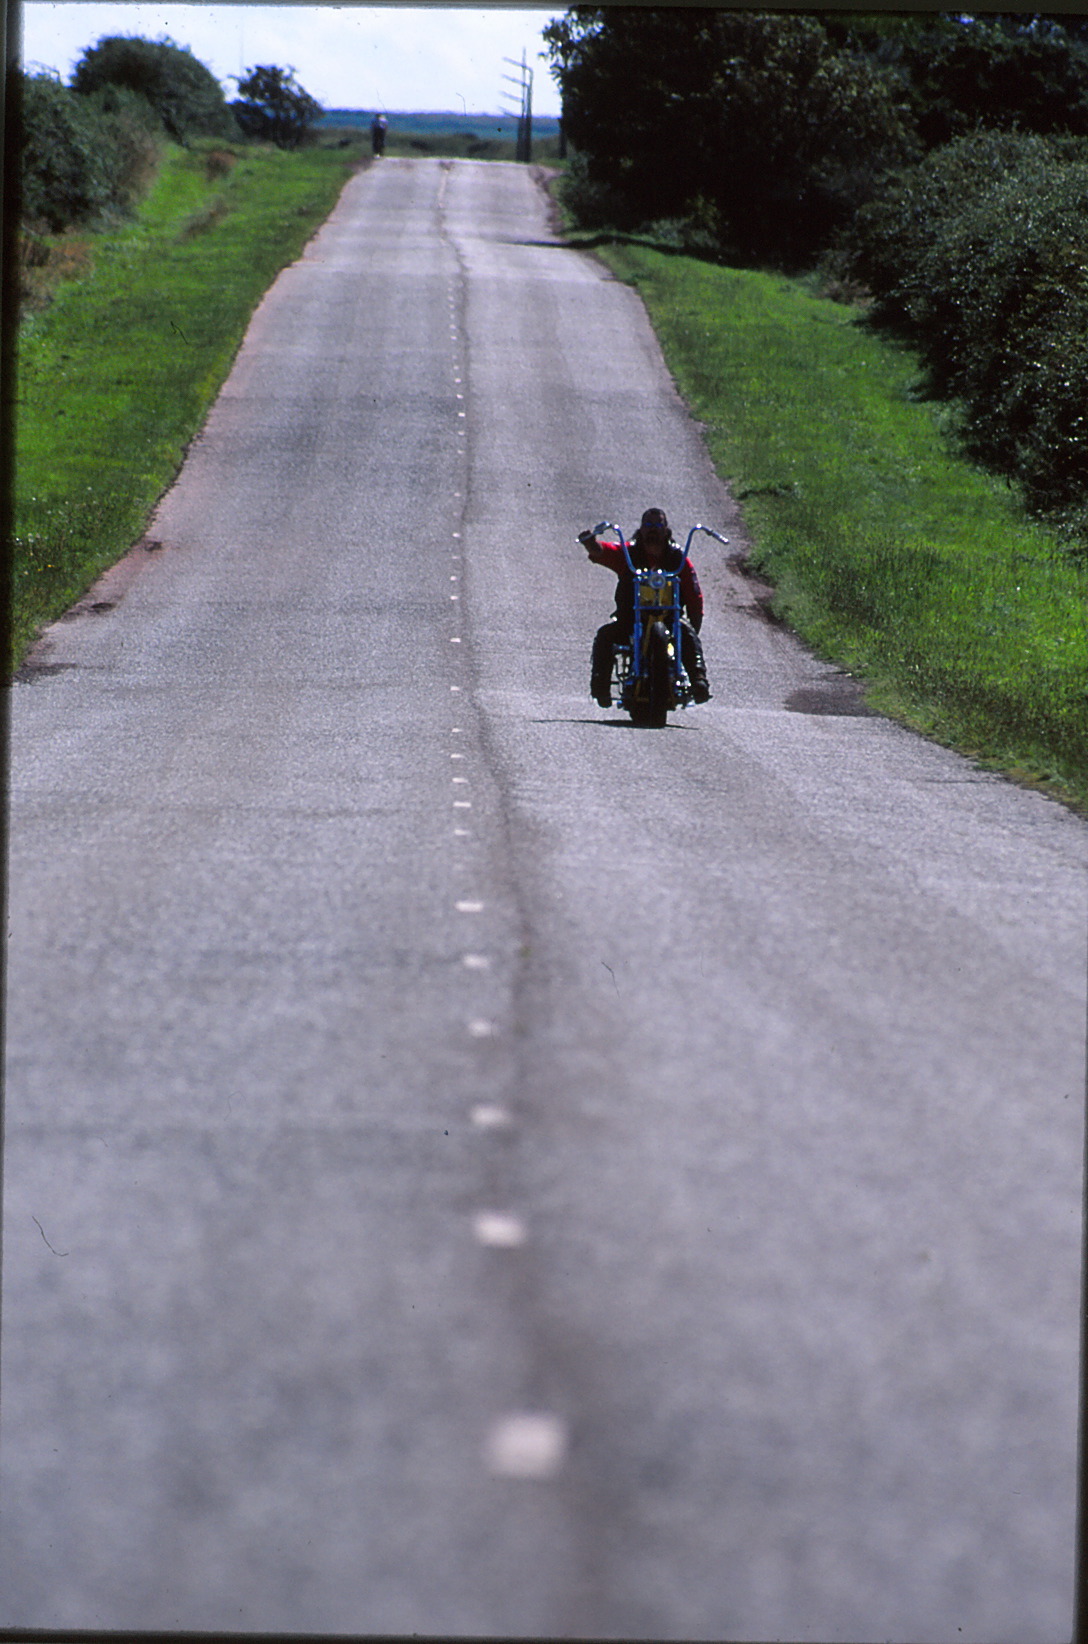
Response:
column 1013, row 72
column 185, row 95
column 135, row 137
column 591, row 202
column 978, row 256
column 82, row 159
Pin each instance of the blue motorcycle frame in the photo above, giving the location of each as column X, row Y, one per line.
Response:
column 648, row 675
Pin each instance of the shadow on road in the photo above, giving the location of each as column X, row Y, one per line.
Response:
column 610, row 724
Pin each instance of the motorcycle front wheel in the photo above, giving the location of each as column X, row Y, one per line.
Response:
column 658, row 692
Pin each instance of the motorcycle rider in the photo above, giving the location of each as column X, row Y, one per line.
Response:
column 653, row 546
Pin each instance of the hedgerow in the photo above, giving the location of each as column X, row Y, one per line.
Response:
column 978, row 257
column 88, row 150
column 79, row 158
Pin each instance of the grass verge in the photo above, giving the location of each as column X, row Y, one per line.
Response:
column 116, row 373
column 889, row 554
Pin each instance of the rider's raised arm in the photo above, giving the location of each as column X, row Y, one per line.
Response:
column 602, row 553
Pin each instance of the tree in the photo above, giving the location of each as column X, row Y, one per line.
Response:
column 961, row 72
column 756, row 123
column 185, row 95
column 274, row 107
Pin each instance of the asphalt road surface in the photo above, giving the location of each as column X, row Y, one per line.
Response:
column 474, row 1167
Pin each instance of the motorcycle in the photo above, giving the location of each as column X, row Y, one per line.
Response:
column 648, row 675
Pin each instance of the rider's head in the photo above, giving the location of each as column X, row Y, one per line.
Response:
column 654, row 534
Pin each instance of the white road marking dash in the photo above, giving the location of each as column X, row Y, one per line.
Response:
column 489, row 1116
column 527, row 1445
column 500, row 1231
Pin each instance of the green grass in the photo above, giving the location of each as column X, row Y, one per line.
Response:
column 116, row 374
column 888, row 552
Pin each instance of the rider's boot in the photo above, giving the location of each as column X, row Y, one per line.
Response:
column 600, row 668
column 692, row 652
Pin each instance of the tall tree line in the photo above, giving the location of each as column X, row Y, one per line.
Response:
column 935, row 166
column 764, row 132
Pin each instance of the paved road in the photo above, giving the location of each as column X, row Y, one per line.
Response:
column 474, row 1167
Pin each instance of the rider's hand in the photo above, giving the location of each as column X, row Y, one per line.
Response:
column 587, row 539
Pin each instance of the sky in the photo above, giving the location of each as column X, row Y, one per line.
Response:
column 361, row 57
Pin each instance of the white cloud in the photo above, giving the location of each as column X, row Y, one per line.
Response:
column 366, row 57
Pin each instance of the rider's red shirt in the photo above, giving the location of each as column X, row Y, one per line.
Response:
column 611, row 554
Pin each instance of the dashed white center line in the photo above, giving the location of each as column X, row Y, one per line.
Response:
column 475, row 961
column 500, row 1231
column 469, row 907
column 526, row 1445
column 480, row 1029
column 490, row 1116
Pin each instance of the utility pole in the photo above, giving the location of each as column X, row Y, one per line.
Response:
column 524, row 83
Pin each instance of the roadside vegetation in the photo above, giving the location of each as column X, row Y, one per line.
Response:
column 887, row 552
column 151, row 225
column 865, row 260
column 119, row 367
column 978, row 258
column 154, row 214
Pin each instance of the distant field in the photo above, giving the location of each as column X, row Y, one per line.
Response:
column 440, row 124
column 442, row 134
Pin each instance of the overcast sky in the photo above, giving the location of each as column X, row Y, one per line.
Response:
column 365, row 57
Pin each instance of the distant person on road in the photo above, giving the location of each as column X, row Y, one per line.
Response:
column 377, row 135
column 653, row 546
